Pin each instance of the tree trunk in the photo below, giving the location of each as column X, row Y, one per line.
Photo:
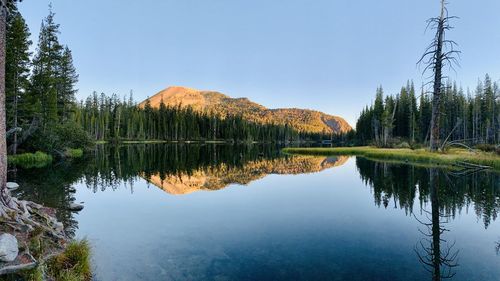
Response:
column 436, row 99
column 3, row 140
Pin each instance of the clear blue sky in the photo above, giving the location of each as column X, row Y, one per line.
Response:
column 327, row 55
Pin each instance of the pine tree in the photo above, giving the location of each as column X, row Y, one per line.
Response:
column 413, row 110
column 46, row 66
column 67, row 79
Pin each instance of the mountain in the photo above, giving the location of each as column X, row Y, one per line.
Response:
column 215, row 102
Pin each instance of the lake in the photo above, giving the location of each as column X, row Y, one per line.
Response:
column 223, row 212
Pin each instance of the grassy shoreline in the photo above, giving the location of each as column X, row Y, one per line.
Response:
column 73, row 263
column 419, row 156
column 193, row 142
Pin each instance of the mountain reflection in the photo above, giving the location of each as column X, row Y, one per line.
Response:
column 221, row 175
column 176, row 169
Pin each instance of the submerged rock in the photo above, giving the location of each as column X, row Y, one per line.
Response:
column 12, row 185
column 8, row 247
column 75, row 207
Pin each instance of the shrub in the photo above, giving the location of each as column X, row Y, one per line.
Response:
column 416, row 145
column 59, row 138
column 30, row 160
column 402, row 145
column 489, row 148
column 73, row 153
column 486, row 147
column 72, row 135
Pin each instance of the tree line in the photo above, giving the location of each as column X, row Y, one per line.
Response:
column 107, row 117
column 471, row 117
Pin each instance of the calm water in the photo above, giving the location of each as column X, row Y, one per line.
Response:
column 167, row 212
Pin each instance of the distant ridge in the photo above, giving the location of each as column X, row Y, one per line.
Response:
column 215, row 102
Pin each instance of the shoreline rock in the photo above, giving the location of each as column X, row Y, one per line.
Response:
column 12, row 185
column 9, row 248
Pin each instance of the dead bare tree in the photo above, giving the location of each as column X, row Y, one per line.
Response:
column 388, row 125
column 440, row 53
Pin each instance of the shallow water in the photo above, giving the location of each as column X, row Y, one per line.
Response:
column 172, row 212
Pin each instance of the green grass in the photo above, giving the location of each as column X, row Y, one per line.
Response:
column 72, row 264
column 73, row 153
column 30, row 160
column 407, row 155
column 29, row 275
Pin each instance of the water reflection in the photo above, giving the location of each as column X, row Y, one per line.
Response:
column 52, row 187
column 176, row 169
column 310, row 227
column 434, row 252
column 406, row 185
column 215, row 177
column 448, row 192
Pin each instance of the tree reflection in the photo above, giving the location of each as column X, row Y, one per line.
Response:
column 437, row 260
column 407, row 185
column 177, row 169
column 446, row 193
